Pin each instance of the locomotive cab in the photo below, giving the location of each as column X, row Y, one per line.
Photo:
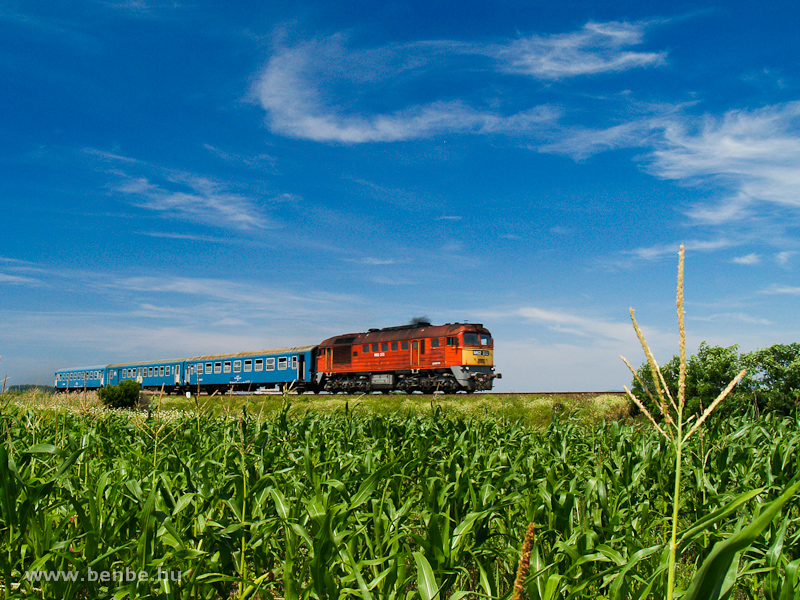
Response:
column 475, row 370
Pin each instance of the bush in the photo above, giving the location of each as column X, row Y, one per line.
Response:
column 124, row 395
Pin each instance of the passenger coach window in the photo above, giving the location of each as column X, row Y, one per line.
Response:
column 270, row 364
column 294, row 362
column 248, row 366
column 227, row 368
column 259, row 364
column 282, row 363
column 217, row 367
column 237, row 366
column 208, row 368
column 169, row 371
column 199, row 368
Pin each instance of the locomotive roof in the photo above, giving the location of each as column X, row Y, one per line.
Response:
column 403, row 332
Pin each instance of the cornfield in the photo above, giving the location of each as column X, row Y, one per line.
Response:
column 357, row 505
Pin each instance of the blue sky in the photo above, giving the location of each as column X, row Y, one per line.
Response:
column 187, row 178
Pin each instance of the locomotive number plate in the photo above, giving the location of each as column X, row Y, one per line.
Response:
column 480, row 353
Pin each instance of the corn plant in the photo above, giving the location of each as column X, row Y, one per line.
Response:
column 718, row 573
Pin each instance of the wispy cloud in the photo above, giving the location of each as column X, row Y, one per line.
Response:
column 265, row 162
column 176, row 194
column 662, row 250
column 577, row 324
column 373, row 261
column 17, row 280
column 729, row 317
column 748, row 259
column 597, row 48
column 791, row 290
column 755, row 155
column 320, row 90
column 200, row 201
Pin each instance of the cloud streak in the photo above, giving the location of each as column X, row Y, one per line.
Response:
column 202, row 201
column 578, row 325
column 595, row 49
column 176, row 194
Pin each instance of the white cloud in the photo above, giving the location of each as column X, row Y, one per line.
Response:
column 373, row 261
column 578, row 325
column 753, row 154
column 748, row 259
column 782, row 289
column 262, row 161
column 195, row 199
column 661, row 250
column 315, row 90
column 597, row 48
column 18, row 280
column 783, row 258
column 729, row 317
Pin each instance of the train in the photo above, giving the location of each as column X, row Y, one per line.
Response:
column 419, row 357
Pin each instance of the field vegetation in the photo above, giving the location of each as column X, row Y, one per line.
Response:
column 327, row 497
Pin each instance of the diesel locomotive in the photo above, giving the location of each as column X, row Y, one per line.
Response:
column 418, row 357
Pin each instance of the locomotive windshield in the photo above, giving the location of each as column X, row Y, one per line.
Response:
column 475, row 339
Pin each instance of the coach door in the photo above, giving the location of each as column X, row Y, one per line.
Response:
column 301, row 368
column 415, row 353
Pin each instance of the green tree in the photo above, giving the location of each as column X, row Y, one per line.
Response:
column 774, row 382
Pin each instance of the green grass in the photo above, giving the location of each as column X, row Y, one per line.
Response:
column 530, row 409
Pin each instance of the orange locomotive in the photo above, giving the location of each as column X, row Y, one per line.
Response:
column 424, row 357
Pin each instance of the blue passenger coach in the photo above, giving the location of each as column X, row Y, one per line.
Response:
column 249, row 371
column 89, row 378
column 150, row 374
